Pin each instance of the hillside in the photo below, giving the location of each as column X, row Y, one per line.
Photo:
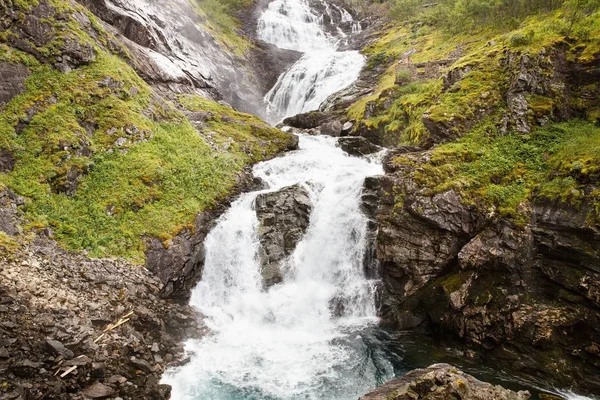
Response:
column 489, row 218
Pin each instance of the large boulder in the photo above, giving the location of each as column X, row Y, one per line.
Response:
column 441, row 382
column 284, row 217
column 358, row 146
column 309, row 120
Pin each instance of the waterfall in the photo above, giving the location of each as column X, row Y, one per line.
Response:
column 322, row 70
column 285, row 343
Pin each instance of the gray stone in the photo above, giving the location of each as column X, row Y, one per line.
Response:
column 59, row 349
column 358, row 146
column 284, row 217
column 98, row 391
column 12, row 83
column 331, row 128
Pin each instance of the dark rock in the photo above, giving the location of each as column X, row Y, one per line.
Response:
column 370, row 201
column 7, row 160
column 9, row 218
column 515, row 295
column 284, row 217
column 331, row 128
column 441, row 382
column 358, row 146
column 311, row 120
column 25, row 368
column 12, row 83
column 59, row 349
column 98, row 391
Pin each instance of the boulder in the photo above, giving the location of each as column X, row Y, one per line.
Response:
column 310, row 120
column 358, row 146
column 331, row 128
column 441, row 382
column 98, row 391
column 284, row 217
column 9, row 217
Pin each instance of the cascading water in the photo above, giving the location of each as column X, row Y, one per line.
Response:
column 322, row 70
column 285, row 343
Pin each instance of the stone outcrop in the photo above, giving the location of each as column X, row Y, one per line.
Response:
column 524, row 297
column 284, row 217
column 179, row 263
column 9, row 213
column 441, row 382
column 310, row 120
column 358, row 146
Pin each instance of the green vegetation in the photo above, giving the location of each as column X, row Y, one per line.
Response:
column 485, row 43
column 221, row 17
column 105, row 162
column 500, row 172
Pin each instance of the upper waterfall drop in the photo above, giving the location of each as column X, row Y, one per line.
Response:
column 322, row 70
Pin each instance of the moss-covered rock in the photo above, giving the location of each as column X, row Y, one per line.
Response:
column 101, row 158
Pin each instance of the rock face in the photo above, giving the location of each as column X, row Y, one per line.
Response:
column 358, row 146
column 9, row 220
column 12, row 81
column 524, row 297
column 172, row 50
column 284, row 217
column 441, row 382
column 54, row 309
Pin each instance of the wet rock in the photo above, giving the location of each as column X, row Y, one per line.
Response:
column 357, row 146
column 12, row 83
column 98, row 391
column 441, row 382
column 313, row 119
column 284, row 217
column 331, row 128
column 370, row 201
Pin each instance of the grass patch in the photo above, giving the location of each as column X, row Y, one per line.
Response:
column 499, row 172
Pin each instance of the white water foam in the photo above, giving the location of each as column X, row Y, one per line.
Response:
column 322, row 71
column 285, row 343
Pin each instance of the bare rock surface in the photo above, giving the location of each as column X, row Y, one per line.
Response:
column 72, row 327
column 525, row 296
column 441, row 382
column 12, row 81
column 284, row 217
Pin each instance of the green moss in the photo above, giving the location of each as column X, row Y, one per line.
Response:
column 106, row 164
column 220, row 18
column 454, row 281
column 500, row 172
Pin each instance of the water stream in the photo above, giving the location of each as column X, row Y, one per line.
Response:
column 322, row 70
column 285, row 343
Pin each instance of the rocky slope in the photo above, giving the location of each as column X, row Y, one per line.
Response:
column 111, row 144
column 488, row 225
column 73, row 327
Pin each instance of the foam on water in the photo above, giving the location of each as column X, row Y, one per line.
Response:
column 322, row 71
column 285, row 343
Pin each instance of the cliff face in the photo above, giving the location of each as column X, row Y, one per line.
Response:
column 489, row 235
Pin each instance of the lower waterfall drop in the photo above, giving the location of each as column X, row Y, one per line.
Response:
column 286, row 343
